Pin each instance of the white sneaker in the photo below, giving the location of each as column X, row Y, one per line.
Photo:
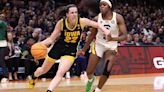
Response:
column 43, row 79
column 4, row 80
column 28, row 77
column 84, row 77
column 97, row 90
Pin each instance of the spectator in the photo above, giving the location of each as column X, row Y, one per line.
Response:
column 129, row 41
column 161, row 34
column 37, row 34
column 27, row 57
column 142, row 17
column 158, row 41
column 137, row 40
column 3, row 48
column 148, row 40
column 13, row 58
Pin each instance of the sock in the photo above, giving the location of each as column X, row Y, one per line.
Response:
column 48, row 91
column 33, row 76
column 97, row 90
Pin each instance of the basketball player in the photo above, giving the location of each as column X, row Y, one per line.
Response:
column 65, row 48
column 104, row 47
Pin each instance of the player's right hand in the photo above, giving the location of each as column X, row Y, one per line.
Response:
column 107, row 32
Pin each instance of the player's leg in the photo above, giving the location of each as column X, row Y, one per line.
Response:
column 64, row 66
column 109, row 60
column 97, row 52
column 48, row 63
column 92, row 63
column 45, row 67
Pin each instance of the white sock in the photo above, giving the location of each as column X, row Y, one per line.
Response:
column 97, row 89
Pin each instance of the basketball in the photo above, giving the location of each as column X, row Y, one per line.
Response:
column 39, row 51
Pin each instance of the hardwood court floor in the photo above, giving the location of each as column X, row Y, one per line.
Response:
column 116, row 83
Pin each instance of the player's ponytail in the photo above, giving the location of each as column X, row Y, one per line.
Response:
column 60, row 13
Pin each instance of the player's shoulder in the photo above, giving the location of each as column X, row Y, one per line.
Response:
column 60, row 21
column 119, row 17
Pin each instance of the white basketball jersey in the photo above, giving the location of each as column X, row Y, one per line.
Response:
column 114, row 31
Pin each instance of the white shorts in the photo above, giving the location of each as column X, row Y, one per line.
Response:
column 99, row 49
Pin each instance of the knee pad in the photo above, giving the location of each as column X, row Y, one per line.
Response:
column 106, row 72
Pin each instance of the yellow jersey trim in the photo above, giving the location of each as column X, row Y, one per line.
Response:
column 67, row 26
column 62, row 24
column 81, row 24
column 93, row 48
column 49, row 59
column 71, row 58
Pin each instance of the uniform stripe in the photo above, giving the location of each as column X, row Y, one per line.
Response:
column 49, row 59
column 81, row 24
column 93, row 50
column 67, row 26
column 71, row 58
column 62, row 25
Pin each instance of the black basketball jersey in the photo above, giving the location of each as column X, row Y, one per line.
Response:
column 70, row 37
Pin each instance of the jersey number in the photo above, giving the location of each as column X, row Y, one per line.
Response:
column 71, row 39
column 107, row 27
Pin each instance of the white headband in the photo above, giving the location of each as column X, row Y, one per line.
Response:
column 108, row 2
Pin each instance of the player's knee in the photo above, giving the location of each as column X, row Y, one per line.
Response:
column 60, row 73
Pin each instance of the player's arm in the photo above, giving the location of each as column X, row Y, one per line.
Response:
column 122, row 29
column 88, row 22
column 91, row 37
column 54, row 35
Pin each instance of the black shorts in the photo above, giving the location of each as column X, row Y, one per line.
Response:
column 59, row 50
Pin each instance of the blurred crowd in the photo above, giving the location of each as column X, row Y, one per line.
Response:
column 145, row 24
column 31, row 21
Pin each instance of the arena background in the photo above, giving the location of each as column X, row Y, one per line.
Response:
column 144, row 20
